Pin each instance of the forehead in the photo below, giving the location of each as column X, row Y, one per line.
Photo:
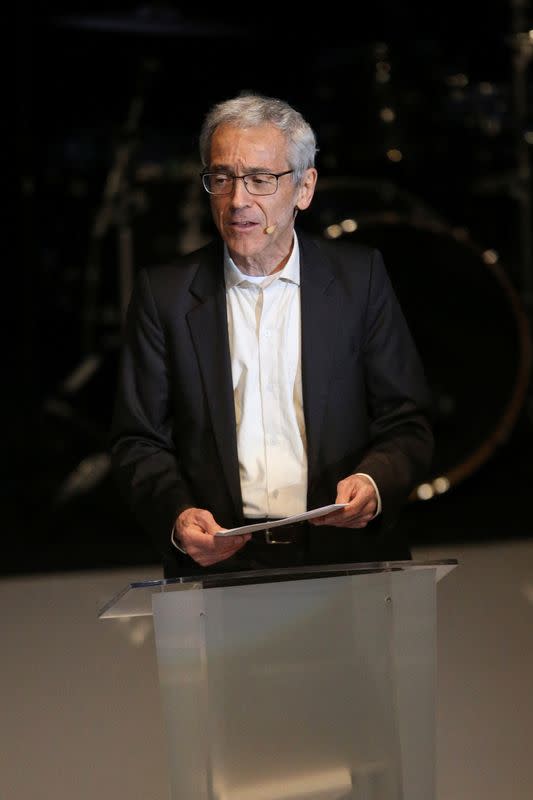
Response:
column 259, row 146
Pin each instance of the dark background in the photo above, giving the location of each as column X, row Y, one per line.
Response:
column 109, row 103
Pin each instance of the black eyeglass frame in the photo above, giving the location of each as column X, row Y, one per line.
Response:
column 277, row 176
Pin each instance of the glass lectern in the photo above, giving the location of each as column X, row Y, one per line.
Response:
column 312, row 683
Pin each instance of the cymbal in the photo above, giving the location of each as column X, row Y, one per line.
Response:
column 153, row 23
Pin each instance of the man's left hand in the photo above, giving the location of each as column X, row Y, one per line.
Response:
column 359, row 493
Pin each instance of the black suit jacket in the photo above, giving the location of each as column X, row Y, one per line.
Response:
column 173, row 434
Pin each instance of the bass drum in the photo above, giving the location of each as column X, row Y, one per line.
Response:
column 466, row 318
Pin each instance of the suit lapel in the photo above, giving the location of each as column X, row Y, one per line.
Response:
column 320, row 321
column 209, row 331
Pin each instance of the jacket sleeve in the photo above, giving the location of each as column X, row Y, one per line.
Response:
column 401, row 440
column 143, row 454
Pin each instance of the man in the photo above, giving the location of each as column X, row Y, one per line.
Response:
column 268, row 373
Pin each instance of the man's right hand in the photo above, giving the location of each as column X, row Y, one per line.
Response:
column 194, row 532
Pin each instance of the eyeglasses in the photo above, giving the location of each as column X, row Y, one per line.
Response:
column 255, row 182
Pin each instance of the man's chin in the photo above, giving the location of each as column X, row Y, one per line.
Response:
column 240, row 247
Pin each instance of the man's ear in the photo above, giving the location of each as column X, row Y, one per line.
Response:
column 307, row 189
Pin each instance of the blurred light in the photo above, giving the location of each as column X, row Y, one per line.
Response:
column 89, row 472
column 349, row 225
column 137, row 630
column 459, row 80
column 394, row 154
column 333, row 231
column 387, row 114
column 314, row 782
column 461, row 234
column 382, row 71
column 425, row 491
column 491, row 126
column 81, row 374
column 490, row 257
column 140, row 631
column 486, row 88
column 441, row 484
column 528, row 136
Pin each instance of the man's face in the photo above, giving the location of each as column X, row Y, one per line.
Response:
column 242, row 218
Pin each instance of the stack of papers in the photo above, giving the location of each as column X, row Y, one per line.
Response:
column 278, row 523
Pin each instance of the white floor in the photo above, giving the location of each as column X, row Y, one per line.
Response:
column 79, row 708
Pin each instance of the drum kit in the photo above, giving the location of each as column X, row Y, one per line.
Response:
column 469, row 316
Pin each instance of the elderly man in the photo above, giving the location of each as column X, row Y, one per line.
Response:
column 268, row 373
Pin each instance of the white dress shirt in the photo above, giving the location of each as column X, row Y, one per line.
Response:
column 265, row 347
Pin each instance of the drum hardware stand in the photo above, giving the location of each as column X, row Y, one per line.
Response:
column 115, row 210
column 192, row 211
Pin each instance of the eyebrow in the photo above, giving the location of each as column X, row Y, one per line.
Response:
column 248, row 171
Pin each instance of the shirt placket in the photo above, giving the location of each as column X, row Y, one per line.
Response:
column 269, row 383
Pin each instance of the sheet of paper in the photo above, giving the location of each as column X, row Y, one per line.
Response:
column 278, row 523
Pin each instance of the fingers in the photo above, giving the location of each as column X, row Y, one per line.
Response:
column 344, row 519
column 210, row 550
column 360, row 496
column 196, row 528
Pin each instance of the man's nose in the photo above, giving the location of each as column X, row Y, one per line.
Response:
column 240, row 194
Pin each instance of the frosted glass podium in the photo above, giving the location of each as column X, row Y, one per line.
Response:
column 312, row 683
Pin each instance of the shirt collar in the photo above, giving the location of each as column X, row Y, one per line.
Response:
column 290, row 272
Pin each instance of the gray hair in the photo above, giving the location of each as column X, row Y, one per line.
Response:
column 251, row 110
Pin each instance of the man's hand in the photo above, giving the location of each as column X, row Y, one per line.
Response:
column 194, row 531
column 359, row 493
